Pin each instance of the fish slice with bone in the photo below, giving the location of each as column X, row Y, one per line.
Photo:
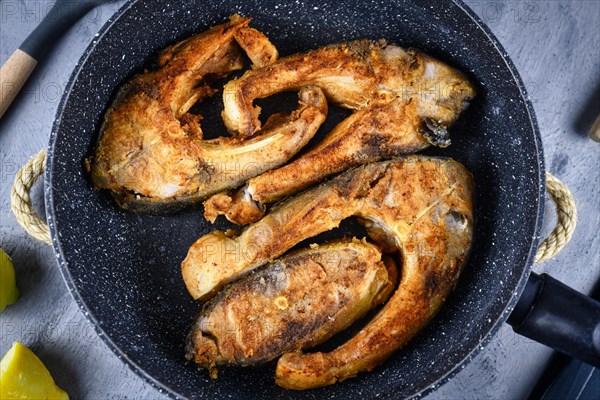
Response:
column 405, row 100
column 418, row 207
column 151, row 153
column 293, row 303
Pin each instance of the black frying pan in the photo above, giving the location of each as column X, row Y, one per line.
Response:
column 124, row 269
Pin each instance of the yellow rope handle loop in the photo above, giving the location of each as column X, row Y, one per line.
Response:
column 566, row 213
column 20, row 201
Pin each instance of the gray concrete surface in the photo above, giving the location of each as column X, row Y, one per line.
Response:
column 554, row 44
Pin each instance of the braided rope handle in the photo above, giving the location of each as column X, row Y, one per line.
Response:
column 20, row 202
column 566, row 219
column 26, row 216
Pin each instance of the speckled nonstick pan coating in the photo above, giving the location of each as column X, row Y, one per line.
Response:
column 124, row 269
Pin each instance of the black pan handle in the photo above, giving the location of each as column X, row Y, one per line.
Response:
column 560, row 317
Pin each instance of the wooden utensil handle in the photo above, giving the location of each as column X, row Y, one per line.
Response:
column 13, row 75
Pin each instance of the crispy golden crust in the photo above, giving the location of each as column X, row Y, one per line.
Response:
column 421, row 205
column 151, row 153
column 405, row 101
column 260, row 51
column 296, row 302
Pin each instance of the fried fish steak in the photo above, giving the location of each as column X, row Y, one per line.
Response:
column 405, row 101
column 419, row 206
column 352, row 75
column 151, row 153
column 295, row 303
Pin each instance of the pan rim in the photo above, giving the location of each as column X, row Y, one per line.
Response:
column 164, row 387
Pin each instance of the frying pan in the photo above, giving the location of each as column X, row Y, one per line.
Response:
column 123, row 269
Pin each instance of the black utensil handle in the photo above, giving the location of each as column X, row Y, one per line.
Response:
column 60, row 17
column 558, row 316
